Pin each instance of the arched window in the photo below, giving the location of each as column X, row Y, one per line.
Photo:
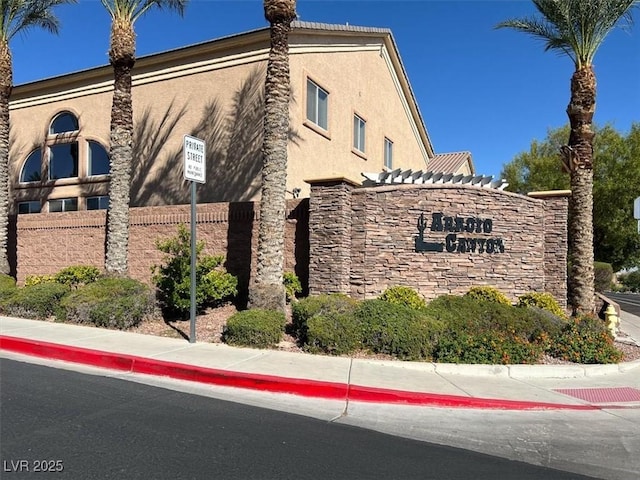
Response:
column 63, row 122
column 98, row 159
column 31, row 170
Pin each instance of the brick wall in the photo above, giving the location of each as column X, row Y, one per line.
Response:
column 526, row 237
column 47, row 243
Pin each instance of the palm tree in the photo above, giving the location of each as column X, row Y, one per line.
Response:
column 122, row 56
column 577, row 28
column 15, row 16
column 268, row 291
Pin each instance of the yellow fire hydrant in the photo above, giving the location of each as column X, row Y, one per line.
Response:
column 611, row 317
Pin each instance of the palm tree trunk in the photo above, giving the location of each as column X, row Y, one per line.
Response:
column 6, row 81
column 580, row 111
column 268, row 291
column 122, row 58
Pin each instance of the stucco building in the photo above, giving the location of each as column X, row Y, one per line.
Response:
column 352, row 111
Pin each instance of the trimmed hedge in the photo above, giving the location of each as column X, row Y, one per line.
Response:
column 490, row 294
column 254, row 328
column 603, row 276
column 37, row 301
column 8, row 287
column 334, row 333
column 304, row 309
column 118, row 303
column 545, row 300
column 397, row 330
column 405, row 296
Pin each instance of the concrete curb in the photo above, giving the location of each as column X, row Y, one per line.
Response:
column 268, row 383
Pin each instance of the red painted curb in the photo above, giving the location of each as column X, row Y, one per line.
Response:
column 268, row 383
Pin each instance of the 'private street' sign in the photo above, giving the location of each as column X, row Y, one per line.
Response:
column 194, row 159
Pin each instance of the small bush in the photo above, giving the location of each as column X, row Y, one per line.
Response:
column 306, row 308
column 7, row 287
column 254, row 328
column 603, row 276
column 38, row 279
column 585, row 339
column 486, row 347
column 77, row 275
column 545, row 300
column 109, row 302
column 397, row 330
column 333, row 333
column 481, row 331
column 214, row 285
column 292, row 285
column 631, row 281
column 405, row 296
column 490, row 294
column 36, row 301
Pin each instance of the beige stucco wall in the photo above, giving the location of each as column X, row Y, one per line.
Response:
column 215, row 92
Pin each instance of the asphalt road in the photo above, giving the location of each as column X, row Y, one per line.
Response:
column 94, row 427
column 629, row 302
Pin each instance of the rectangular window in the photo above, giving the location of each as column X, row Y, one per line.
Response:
column 388, row 153
column 317, row 103
column 63, row 160
column 63, row 205
column 29, row 207
column 358, row 133
column 98, row 203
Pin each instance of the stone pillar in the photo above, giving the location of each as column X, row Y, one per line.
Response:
column 330, row 235
column 556, row 206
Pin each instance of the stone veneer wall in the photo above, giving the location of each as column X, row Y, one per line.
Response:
column 47, row 243
column 378, row 225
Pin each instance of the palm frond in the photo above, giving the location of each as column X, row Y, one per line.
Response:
column 131, row 10
column 576, row 28
column 20, row 15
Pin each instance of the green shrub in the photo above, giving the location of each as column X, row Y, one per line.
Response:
column 108, row 302
column 401, row 295
column 631, row 281
column 544, row 300
column 397, row 330
column 77, row 275
column 490, row 294
column 254, row 328
column 214, row 285
column 36, row 301
column 306, row 308
column 486, row 347
column 292, row 285
column 481, row 331
column 585, row 339
column 38, row 279
column 7, row 287
column 603, row 276
column 334, row 333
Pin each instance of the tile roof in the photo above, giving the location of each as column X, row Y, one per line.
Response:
column 450, row 162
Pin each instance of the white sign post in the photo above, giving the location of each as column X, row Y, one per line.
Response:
column 636, row 211
column 195, row 170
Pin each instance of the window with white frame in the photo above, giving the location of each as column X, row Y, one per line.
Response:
column 98, row 203
column 317, row 105
column 32, row 206
column 388, row 153
column 358, row 133
column 63, row 205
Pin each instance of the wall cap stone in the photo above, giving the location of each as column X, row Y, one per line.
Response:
column 337, row 179
column 550, row 194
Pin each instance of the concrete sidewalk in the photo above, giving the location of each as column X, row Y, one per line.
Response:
column 420, row 383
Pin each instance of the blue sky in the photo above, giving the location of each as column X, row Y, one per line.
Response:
column 487, row 91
